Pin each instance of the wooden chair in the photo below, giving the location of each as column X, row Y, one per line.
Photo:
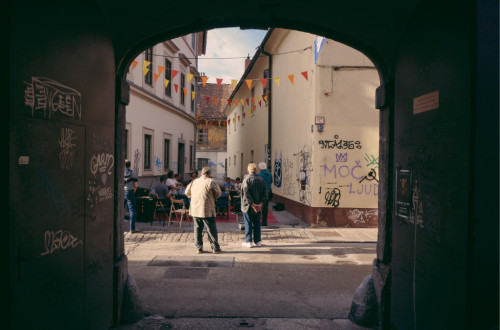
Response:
column 161, row 209
column 178, row 209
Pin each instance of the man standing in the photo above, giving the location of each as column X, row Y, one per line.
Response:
column 253, row 195
column 130, row 186
column 203, row 192
column 268, row 177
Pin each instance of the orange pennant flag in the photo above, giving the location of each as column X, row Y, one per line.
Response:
column 234, row 83
column 174, row 73
column 236, row 102
column 204, row 80
column 219, row 81
column 264, row 82
column 254, row 108
column 185, row 91
column 305, row 74
column 291, row 78
column 134, row 64
column 176, row 87
column 253, row 100
column 215, row 100
column 249, row 83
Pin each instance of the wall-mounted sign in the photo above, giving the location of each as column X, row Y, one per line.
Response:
column 426, row 102
column 403, row 194
column 319, row 120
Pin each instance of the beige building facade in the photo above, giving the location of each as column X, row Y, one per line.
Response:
column 160, row 118
column 318, row 132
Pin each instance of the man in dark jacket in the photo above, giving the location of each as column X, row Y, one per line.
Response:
column 268, row 177
column 253, row 195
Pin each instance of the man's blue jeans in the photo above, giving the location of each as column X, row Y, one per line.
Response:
column 252, row 226
column 132, row 207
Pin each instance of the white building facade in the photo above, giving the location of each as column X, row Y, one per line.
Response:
column 160, row 118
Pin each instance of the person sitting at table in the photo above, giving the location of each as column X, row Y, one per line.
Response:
column 162, row 191
column 172, row 184
column 228, row 185
column 237, row 186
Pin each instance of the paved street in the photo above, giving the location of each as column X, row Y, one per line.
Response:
column 301, row 278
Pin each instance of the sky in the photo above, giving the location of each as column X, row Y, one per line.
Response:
column 228, row 42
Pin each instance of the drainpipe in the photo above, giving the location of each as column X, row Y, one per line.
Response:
column 269, row 113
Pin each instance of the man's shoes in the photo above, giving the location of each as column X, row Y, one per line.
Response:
column 200, row 250
column 217, row 251
column 258, row 244
column 132, row 231
column 246, row 244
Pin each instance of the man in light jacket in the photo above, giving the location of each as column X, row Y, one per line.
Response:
column 203, row 192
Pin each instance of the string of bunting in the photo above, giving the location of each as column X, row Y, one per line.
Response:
column 234, row 82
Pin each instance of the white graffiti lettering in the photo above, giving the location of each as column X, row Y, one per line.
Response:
column 59, row 240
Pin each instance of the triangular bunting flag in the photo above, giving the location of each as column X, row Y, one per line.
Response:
column 249, row 83
column 264, row 97
column 219, row 123
column 145, row 68
column 305, row 74
column 190, row 76
column 236, row 102
column 253, row 100
column 215, row 100
column 185, row 91
column 258, row 98
column 254, row 108
column 166, row 82
column 242, row 102
column 160, row 69
column 134, row 64
column 291, row 78
column 229, row 121
column 204, row 80
column 221, row 103
column 219, row 81
column 277, row 81
column 156, row 76
column 208, row 98
column 238, row 118
column 243, row 115
column 174, row 73
column 248, row 102
column 234, row 83
column 229, row 102
column 260, row 103
column 176, row 87
column 249, row 111
column 192, row 95
column 264, row 82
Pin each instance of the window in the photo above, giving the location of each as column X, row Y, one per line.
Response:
column 183, row 85
column 192, row 98
column 168, row 76
column 147, row 151
column 148, row 56
column 202, row 135
column 266, row 76
column 166, row 154
column 202, row 162
column 191, row 157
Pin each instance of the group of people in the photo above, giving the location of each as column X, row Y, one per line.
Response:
column 203, row 192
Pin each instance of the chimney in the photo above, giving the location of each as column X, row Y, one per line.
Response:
column 247, row 61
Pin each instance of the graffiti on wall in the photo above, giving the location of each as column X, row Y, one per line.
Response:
column 278, row 170
column 67, row 152
column 157, row 162
column 59, row 240
column 289, row 181
column 303, row 160
column 360, row 216
column 48, row 99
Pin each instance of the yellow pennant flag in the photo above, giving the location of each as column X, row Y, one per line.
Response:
column 242, row 102
column 249, row 83
column 258, row 98
column 222, row 103
column 234, row 82
column 145, row 68
column 204, row 80
column 192, row 95
column 291, row 78
column 249, row 111
column 190, row 76
column 277, row 81
column 166, row 82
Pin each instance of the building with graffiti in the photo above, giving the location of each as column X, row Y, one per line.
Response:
column 160, row 118
column 306, row 106
column 211, row 138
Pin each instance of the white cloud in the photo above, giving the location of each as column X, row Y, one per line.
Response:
column 228, row 43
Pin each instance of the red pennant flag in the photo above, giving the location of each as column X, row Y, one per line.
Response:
column 224, row 122
column 264, row 82
column 243, row 115
column 174, row 73
column 229, row 121
column 176, row 87
column 260, row 103
column 238, row 118
column 208, row 98
column 248, row 102
column 219, row 81
column 229, row 102
column 305, row 74
column 264, row 97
